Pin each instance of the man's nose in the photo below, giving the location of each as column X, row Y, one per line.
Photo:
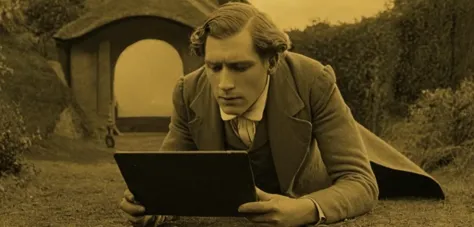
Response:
column 225, row 81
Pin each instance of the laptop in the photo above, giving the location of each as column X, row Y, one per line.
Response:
column 189, row 183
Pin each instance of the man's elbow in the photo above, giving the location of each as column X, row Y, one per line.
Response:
column 372, row 191
column 367, row 178
column 369, row 193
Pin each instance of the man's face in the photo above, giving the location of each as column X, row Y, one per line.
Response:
column 236, row 72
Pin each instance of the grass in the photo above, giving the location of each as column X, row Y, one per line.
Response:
column 76, row 183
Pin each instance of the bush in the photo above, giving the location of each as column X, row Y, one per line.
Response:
column 38, row 20
column 363, row 56
column 14, row 140
column 12, row 17
column 425, row 31
column 35, row 87
column 440, row 127
column 5, row 71
column 383, row 63
column 45, row 17
column 41, row 17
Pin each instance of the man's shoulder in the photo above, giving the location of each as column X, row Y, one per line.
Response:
column 310, row 74
column 195, row 77
column 192, row 83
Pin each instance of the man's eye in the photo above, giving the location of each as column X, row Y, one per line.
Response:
column 240, row 68
column 215, row 68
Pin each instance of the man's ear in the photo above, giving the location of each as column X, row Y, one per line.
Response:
column 272, row 61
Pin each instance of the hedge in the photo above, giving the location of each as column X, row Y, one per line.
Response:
column 384, row 62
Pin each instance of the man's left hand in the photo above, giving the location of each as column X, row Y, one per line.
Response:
column 279, row 211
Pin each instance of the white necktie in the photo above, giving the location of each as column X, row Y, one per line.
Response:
column 245, row 129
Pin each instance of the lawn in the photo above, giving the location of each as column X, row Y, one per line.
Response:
column 76, row 183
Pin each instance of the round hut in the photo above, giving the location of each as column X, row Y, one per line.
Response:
column 130, row 54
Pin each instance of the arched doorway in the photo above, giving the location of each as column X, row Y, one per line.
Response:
column 144, row 77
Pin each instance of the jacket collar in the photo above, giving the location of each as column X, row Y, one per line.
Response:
column 289, row 136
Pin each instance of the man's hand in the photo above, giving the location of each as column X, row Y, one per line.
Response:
column 133, row 210
column 279, row 211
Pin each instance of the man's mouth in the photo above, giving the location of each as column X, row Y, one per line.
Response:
column 229, row 98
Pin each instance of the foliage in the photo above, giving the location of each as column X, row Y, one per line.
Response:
column 362, row 55
column 440, row 126
column 45, row 17
column 11, row 15
column 426, row 35
column 37, row 20
column 14, row 139
column 383, row 63
column 40, row 95
column 42, row 17
column 34, row 87
column 5, row 71
column 447, row 114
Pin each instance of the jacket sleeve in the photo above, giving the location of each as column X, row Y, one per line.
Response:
column 179, row 136
column 354, row 189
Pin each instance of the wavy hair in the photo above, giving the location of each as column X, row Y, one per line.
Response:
column 231, row 18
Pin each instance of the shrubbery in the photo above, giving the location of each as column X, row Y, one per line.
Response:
column 38, row 20
column 383, row 63
column 362, row 55
column 35, row 87
column 427, row 32
column 14, row 139
column 32, row 98
column 406, row 63
column 440, row 127
column 12, row 17
column 45, row 17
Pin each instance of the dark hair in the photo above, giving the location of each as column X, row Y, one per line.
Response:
column 233, row 17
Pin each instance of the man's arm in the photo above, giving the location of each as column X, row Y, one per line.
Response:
column 179, row 137
column 354, row 190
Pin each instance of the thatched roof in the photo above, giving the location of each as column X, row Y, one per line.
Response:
column 187, row 12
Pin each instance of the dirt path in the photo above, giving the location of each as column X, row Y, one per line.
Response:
column 82, row 187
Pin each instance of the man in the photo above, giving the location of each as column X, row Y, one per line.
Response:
column 312, row 160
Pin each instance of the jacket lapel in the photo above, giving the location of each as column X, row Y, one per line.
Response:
column 207, row 127
column 289, row 136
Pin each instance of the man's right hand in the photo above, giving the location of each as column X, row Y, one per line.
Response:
column 134, row 210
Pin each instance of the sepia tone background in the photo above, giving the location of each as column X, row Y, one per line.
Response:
column 160, row 57
column 404, row 67
column 142, row 57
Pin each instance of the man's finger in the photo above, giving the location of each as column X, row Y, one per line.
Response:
column 135, row 219
column 130, row 208
column 267, row 218
column 129, row 196
column 257, row 207
column 263, row 196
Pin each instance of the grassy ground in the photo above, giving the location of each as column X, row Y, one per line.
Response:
column 76, row 183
